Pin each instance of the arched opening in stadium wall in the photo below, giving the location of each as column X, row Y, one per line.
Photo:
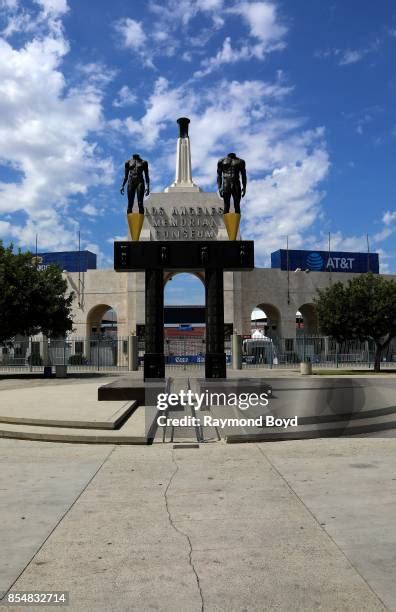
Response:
column 184, row 317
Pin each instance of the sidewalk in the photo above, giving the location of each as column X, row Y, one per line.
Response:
column 284, row 526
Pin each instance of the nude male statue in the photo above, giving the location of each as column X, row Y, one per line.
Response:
column 136, row 173
column 230, row 170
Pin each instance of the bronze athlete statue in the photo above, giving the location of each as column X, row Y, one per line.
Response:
column 136, row 173
column 230, row 171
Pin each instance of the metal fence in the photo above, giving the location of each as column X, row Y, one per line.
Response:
column 102, row 353
column 189, row 352
column 105, row 353
column 321, row 351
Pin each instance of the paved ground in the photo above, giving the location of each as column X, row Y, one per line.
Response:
column 25, row 382
column 301, row 525
column 38, row 482
column 65, row 403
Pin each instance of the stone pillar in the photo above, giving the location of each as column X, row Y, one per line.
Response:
column 133, row 363
column 183, row 179
column 215, row 359
column 183, row 161
column 367, row 350
column 154, row 361
column 326, row 348
column 120, row 355
column 87, row 348
column 306, row 368
column 44, row 353
column 237, row 351
column 287, row 324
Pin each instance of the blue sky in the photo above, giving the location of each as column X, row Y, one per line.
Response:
column 303, row 91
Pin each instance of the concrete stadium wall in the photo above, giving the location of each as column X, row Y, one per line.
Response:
column 266, row 288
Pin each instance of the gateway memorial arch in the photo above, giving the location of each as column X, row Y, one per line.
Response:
column 184, row 212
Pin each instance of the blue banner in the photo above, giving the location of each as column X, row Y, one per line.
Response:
column 184, row 359
column 324, row 261
column 72, row 261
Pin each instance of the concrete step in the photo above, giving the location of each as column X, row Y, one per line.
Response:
column 355, row 426
column 116, row 416
column 127, row 388
column 62, row 405
column 136, row 430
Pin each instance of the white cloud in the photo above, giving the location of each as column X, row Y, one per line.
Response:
column 226, row 55
column 286, row 201
column 263, row 21
column 131, row 32
column 341, row 242
column 362, row 118
column 351, row 56
column 5, row 227
column 103, row 260
column 171, row 31
column 160, row 35
column 346, row 57
column 389, row 217
column 9, row 4
column 91, row 210
column 19, row 22
column 125, row 97
column 210, row 5
column 29, row 20
column 266, row 35
column 53, row 7
column 174, row 10
column 212, row 110
column 187, row 56
column 53, row 233
column 183, row 11
column 162, row 106
column 389, row 227
column 96, row 73
column 45, row 131
column 117, row 239
column 131, row 36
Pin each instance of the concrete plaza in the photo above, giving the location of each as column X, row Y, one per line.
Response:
column 68, row 410
column 300, row 525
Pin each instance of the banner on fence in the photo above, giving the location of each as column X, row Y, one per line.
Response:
column 184, row 359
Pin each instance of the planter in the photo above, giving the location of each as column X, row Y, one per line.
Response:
column 60, row 371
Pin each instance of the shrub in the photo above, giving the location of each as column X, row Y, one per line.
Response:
column 35, row 360
column 77, row 360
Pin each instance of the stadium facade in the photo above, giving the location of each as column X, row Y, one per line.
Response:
column 183, row 211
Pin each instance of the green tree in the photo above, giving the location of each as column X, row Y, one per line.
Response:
column 363, row 309
column 31, row 300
